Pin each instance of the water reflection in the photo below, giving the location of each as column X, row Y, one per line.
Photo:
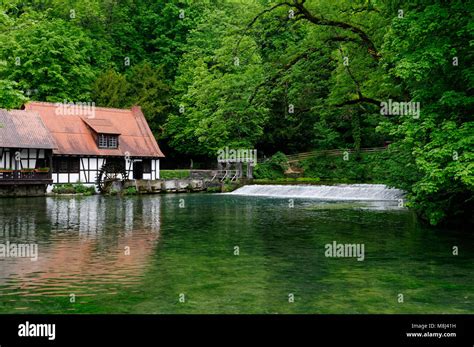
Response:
column 185, row 243
column 87, row 245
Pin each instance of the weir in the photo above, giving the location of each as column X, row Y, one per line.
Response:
column 352, row 192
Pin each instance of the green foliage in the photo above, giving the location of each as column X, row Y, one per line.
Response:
column 174, row 174
column 379, row 167
column 148, row 89
column 213, row 189
column 49, row 59
column 421, row 50
column 143, row 85
column 114, row 191
column 130, row 191
column 77, row 188
column 10, row 97
column 82, row 189
column 229, row 187
column 334, row 168
column 273, row 168
column 110, row 90
column 210, row 107
column 66, row 188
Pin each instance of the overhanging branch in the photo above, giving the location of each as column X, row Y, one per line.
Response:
column 359, row 100
column 276, row 76
column 303, row 13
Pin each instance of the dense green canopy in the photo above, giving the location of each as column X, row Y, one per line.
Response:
column 287, row 76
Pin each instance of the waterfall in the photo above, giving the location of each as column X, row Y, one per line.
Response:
column 354, row 192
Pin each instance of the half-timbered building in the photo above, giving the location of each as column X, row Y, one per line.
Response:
column 26, row 150
column 78, row 146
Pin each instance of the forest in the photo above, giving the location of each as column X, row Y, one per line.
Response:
column 282, row 77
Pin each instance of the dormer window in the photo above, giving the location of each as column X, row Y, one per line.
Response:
column 104, row 131
column 107, row 141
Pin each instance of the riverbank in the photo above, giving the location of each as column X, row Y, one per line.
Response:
column 392, row 167
column 137, row 187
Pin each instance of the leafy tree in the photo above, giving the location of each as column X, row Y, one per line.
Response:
column 110, row 90
column 51, row 58
column 428, row 51
column 212, row 88
column 147, row 88
column 10, row 97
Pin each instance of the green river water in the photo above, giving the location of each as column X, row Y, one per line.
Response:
column 215, row 253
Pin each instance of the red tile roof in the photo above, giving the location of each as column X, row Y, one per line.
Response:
column 101, row 126
column 74, row 134
column 24, row 129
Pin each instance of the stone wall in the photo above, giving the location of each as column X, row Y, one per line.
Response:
column 167, row 186
column 22, row 190
column 202, row 174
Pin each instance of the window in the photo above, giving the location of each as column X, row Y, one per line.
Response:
column 102, row 141
column 118, row 163
column 74, row 165
column 63, row 165
column 107, row 141
column 146, row 165
column 66, row 165
column 113, row 142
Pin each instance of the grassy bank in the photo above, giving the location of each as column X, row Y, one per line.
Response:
column 174, row 174
column 362, row 168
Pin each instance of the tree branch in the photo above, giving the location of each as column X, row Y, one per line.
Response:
column 360, row 99
column 303, row 13
column 332, row 23
column 287, row 66
column 252, row 22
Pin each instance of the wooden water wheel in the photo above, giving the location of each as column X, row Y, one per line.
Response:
column 109, row 172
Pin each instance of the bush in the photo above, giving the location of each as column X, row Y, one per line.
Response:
column 66, row 188
column 380, row 167
column 273, row 168
column 130, row 191
column 69, row 188
column 229, row 187
column 82, row 189
column 334, row 168
column 213, row 189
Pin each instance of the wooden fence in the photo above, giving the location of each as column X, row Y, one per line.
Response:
column 293, row 158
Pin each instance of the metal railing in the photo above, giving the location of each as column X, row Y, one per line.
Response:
column 222, row 175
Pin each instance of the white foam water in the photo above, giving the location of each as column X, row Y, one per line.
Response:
column 351, row 192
